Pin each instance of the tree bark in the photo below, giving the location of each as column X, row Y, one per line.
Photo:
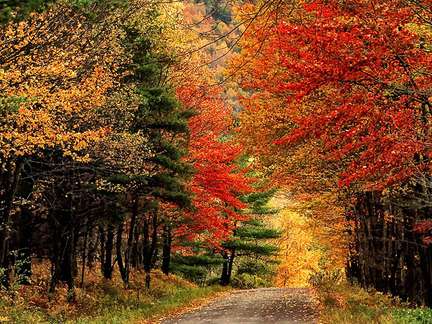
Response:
column 149, row 244
column 166, row 251
column 122, row 267
column 102, row 247
column 11, row 181
column 225, row 278
column 109, row 244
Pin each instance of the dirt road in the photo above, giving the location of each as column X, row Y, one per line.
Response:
column 268, row 305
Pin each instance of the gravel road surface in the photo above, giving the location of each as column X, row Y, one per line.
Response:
column 267, row 305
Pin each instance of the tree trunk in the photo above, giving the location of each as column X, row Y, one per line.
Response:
column 67, row 264
column 225, row 277
column 11, row 181
column 107, row 263
column 136, row 252
column 130, row 242
column 55, row 252
column 102, row 237
column 166, row 251
column 391, row 257
column 149, row 244
column 25, row 229
column 146, row 254
column 84, row 253
column 23, row 264
column 122, row 267
column 92, row 246
column 230, row 264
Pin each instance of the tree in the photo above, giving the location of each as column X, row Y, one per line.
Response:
column 250, row 237
column 379, row 78
column 114, row 142
column 217, row 182
column 165, row 125
column 51, row 85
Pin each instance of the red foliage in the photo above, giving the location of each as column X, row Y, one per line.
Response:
column 425, row 228
column 218, row 182
column 365, row 63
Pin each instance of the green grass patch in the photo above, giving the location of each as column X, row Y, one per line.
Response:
column 412, row 316
column 115, row 311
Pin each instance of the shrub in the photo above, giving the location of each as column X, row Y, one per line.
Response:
column 213, row 281
column 196, row 274
column 247, row 281
column 255, row 267
column 326, row 279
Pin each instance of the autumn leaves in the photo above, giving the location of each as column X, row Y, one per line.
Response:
column 343, row 93
column 110, row 140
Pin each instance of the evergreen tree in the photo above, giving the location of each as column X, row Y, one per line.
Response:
column 165, row 125
column 200, row 265
column 250, row 238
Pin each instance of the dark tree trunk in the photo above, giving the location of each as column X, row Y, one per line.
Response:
column 92, row 246
column 55, row 252
column 166, row 251
column 136, row 253
column 25, row 232
column 25, row 229
column 146, row 252
column 230, row 264
column 68, row 246
column 102, row 237
column 10, row 182
column 84, row 252
column 109, row 244
column 122, row 267
column 225, row 277
column 67, row 264
column 389, row 255
column 149, row 244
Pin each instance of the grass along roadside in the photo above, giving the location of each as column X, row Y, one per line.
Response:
column 343, row 303
column 101, row 301
column 181, row 300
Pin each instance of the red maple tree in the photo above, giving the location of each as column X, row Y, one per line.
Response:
column 218, row 182
column 366, row 67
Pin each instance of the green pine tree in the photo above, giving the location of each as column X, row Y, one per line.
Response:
column 250, row 240
column 164, row 123
column 198, row 267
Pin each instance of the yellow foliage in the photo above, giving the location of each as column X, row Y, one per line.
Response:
column 298, row 253
column 309, row 242
column 55, row 79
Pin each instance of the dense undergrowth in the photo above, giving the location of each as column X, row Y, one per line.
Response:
column 341, row 302
column 101, row 301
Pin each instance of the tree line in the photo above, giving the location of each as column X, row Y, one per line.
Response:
column 115, row 151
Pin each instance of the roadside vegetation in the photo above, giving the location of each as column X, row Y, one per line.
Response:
column 342, row 302
column 102, row 301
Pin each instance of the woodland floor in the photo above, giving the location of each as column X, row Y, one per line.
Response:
column 266, row 305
